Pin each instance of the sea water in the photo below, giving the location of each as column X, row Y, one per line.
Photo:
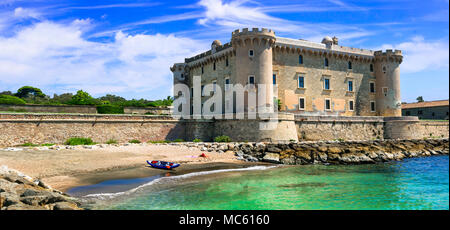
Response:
column 416, row 183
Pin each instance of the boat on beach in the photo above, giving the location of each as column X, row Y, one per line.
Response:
column 162, row 164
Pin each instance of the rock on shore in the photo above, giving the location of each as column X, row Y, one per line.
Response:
column 21, row 192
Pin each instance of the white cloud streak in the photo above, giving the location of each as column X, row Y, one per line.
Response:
column 56, row 57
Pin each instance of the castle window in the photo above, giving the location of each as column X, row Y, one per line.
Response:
column 250, row 53
column 327, row 104
column 300, row 59
column 349, row 65
column 325, row 62
column 326, row 83
column 372, row 87
column 371, row 67
column 214, row 85
column 350, row 85
column 214, row 66
column 226, row 62
column 372, row 106
column 203, row 70
column 301, row 82
column 251, row 79
column 201, row 91
column 385, row 91
column 274, row 79
column 301, row 103
column 227, row 83
column 432, row 114
column 350, row 105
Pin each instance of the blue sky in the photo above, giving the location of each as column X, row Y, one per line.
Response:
column 126, row 47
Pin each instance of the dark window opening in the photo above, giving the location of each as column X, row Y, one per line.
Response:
column 226, row 62
column 250, row 53
column 302, row 103
column 372, row 87
column 274, row 79
column 300, row 59
column 350, row 86
column 251, row 80
column 420, row 112
column 203, row 70
column 371, row 67
column 351, row 105
column 214, row 66
column 408, row 113
column 327, row 104
column 326, row 62
column 349, row 65
column 372, row 106
column 327, row 83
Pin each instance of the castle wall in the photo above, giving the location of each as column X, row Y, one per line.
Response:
column 287, row 69
column 339, row 128
column 50, row 108
column 18, row 129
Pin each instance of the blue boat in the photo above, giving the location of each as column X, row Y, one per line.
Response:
column 163, row 164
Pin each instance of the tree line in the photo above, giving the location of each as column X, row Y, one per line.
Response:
column 33, row 95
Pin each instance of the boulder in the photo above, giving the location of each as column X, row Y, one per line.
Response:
column 272, row 158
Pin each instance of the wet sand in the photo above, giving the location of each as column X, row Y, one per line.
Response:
column 68, row 168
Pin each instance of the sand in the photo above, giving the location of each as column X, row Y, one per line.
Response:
column 68, row 168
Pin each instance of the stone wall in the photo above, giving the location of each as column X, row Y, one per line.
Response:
column 49, row 108
column 430, row 129
column 55, row 128
column 338, row 127
column 147, row 110
column 18, row 129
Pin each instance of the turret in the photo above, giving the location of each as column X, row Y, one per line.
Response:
column 387, row 73
column 254, row 59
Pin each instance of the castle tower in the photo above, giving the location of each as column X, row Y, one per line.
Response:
column 254, row 59
column 387, row 73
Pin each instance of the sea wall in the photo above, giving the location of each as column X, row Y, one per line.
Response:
column 147, row 110
column 49, row 108
column 17, row 129
column 331, row 152
column 20, row 128
column 339, row 127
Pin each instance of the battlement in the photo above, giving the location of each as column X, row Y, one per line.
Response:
column 254, row 31
column 388, row 52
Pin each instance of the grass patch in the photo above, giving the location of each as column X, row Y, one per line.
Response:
column 28, row 144
column 159, row 142
column 48, row 144
column 222, row 139
column 111, row 141
column 178, row 140
column 196, row 140
column 79, row 141
column 134, row 141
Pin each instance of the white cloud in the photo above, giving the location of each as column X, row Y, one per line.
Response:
column 57, row 57
column 420, row 55
column 20, row 12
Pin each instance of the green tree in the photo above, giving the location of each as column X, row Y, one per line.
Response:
column 113, row 99
column 64, row 98
column 11, row 100
column 419, row 99
column 83, row 98
column 30, row 92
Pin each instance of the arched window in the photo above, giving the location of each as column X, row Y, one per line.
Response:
column 349, row 65
column 326, row 62
column 300, row 59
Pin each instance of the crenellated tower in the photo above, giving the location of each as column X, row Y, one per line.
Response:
column 254, row 58
column 387, row 73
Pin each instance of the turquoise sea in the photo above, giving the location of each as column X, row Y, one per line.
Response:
column 417, row 183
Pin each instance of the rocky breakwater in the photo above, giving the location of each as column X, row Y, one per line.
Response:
column 21, row 192
column 330, row 152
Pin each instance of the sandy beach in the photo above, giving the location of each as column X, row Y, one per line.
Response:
column 68, row 168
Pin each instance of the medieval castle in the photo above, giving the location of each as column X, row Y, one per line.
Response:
column 311, row 78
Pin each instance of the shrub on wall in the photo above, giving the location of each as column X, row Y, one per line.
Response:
column 11, row 100
column 109, row 109
column 79, row 141
column 134, row 141
column 222, row 139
